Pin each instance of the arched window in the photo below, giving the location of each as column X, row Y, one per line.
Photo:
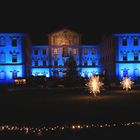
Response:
column 14, row 74
column 2, row 57
column 136, row 73
column 85, row 63
column 125, row 73
column 74, row 51
column 65, row 52
column 2, row 41
column 136, row 56
column 93, row 51
column 124, row 57
column 93, row 63
column 44, row 63
column 2, row 75
column 14, row 58
column 55, row 63
column 135, row 42
column 85, row 51
column 124, row 42
column 85, row 74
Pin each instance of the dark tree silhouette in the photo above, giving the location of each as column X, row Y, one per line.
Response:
column 72, row 72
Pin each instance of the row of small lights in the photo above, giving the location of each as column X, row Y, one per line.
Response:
column 43, row 130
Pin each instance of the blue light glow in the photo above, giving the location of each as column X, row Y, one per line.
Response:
column 40, row 72
column 11, row 56
column 127, row 55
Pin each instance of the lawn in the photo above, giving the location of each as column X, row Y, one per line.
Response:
column 43, row 107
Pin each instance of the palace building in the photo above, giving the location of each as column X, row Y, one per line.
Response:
column 14, row 56
column 50, row 60
column 120, row 55
column 116, row 55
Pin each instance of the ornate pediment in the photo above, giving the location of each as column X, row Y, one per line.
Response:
column 64, row 37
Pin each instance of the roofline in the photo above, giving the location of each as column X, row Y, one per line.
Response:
column 67, row 28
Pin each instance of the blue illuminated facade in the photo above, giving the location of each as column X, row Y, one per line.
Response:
column 128, row 55
column 118, row 55
column 12, row 56
column 50, row 61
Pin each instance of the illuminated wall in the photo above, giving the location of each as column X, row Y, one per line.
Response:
column 64, row 37
column 9, row 72
column 89, row 60
column 62, row 44
column 12, row 63
column 128, row 55
column 86, row 57
column 88, row 72
column 40, row 61
column 40, row 72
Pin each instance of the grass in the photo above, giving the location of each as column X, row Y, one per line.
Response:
column 51, row 107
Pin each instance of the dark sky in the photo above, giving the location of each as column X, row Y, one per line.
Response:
column 90, row 18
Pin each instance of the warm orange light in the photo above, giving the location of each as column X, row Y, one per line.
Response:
column 126, row 83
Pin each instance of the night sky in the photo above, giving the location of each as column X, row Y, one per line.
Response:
column 90, row 18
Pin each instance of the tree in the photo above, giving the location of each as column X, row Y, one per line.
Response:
column 72, row 72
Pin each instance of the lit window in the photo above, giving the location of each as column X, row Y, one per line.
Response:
column 36, row 63
column 85, row 51
column 124, row 42
column 44, row 63
column 85, row 63
column 136, row 58
column 55, row 73
column 36, row 52
column 124, row 57
column 14, row 74
column 14, row 58
column 74, row 51
column 93, row 51
column 125, row 73
column 14, row 42
column 65, row 63
column 44, row 51
column 55, row 63
column 135, row 42
column 2, row 75
column 136, row 73
column 93, row 63
column 85, row 74
column 2, row 41
column 65, row 52
column 55, row 51
column 2, row 57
